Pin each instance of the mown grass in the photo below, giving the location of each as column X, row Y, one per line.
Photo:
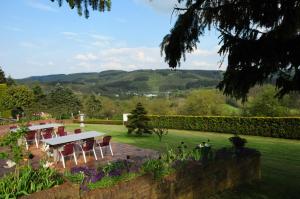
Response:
column 280, row 158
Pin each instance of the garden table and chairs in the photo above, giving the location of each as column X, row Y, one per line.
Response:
column 64, row 146
column 39, row 127
column 36, row 132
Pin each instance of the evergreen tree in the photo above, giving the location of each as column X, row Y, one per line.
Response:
column 84, row 5
column 138, row 121
column 92, row 106
column 62, row 102
column 260, row 37
column 2, row 77
column 10, row 81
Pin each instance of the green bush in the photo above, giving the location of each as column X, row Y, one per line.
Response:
column 99, row 121
column 279, row 127
column 28, row 181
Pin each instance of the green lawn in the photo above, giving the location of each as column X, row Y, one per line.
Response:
column 280, row 158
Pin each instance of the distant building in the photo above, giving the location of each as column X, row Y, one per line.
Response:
column 150, row 95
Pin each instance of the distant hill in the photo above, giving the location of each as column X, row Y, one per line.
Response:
column 113, row 82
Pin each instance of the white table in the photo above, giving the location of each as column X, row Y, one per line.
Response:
column 57, row 142
column 72, row 138
column 40, row 127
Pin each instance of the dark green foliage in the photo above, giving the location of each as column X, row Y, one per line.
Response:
column 138, row 121
column 83, row 6
column 280, row 127
column 2, row 77
column 99, row 121
column 122, row 82
column 10, row 81
column 261, row 39
column 92, row 106
column 62, row 102
column 237, row 141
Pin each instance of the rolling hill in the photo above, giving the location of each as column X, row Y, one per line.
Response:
column 122, row 82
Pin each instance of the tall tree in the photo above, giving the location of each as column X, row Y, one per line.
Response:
column 10, row 81
column 17, row 99
column 138, row 121
column 84, row 5
column 92, row 106
column 264, row 104
column 260, row 37
column 2, row 76
column 62, row 102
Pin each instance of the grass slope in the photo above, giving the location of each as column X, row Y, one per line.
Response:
column 280, row 158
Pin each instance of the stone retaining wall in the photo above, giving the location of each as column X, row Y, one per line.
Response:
column 195, row 181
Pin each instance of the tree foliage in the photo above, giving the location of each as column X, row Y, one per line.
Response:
column 17, row 97
column 260, row 37
column 83, row 6
column 92, row 106
column 265, row 104
column 138, row 122
column 2, row 77
column 62, row 102
column 203, row 102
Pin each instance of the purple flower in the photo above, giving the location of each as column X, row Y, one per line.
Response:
column 115, row 173
column 98, row 176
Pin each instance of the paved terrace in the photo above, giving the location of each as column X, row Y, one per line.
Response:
column 120, row 150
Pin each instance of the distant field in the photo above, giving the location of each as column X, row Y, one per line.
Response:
column 280, row 158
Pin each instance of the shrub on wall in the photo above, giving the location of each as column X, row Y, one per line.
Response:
column 279, row 127
column 99, row 121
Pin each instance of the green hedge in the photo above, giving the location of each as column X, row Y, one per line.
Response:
column 99, row 121
column 279, row 127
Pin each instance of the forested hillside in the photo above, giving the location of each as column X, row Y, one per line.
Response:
column 121, row 82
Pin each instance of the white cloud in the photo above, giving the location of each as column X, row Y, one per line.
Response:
column 141, row 58
column 163, row 6
column 70, row 34
column 40, row 6
column 28, row 44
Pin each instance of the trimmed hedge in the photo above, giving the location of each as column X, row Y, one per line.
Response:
column 278, row 127
column 99, row 121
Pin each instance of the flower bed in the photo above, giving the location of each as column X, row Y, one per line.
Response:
column 178, row 173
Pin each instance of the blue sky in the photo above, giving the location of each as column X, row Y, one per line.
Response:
column 39, row 38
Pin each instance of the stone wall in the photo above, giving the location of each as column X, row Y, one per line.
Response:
column 195, row 181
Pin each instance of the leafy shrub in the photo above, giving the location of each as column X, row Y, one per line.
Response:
column 157, row 167
column 237, row 141
column 99, row 121
column 28, row 181
column 114, row 169
column 160, row 132
column 110, row 181
column 76, row 178
column 281, row 127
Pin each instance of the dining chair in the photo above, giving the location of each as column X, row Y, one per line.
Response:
column 105, row 143
column 47, row 133
column 76, row 131
column 31, row 136
column 61, row 131
column 68, row 150
column 88, row 146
